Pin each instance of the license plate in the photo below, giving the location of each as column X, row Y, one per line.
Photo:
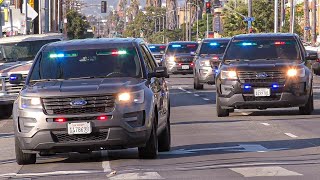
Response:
column 79, row 128
column 261, row 92
column 185, row 67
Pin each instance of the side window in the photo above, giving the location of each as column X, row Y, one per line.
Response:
column 146, row 60
column 151, row 59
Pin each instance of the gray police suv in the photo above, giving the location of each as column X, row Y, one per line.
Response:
column 87, row 95
column 261, row 71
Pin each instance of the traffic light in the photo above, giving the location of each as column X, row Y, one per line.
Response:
column 103, row 6
column 208, row 7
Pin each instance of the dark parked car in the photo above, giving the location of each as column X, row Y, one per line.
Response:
column 157, row 50
column 179, row 56
column 261, row 71
column 87, row 95
column 207, row 60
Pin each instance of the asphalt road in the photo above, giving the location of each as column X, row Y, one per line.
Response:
column 250, row 144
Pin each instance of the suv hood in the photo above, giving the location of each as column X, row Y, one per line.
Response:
column 84, row 87
column 21, row 67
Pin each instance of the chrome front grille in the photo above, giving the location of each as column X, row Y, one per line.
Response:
column 8, row 88
column 62, row 105
column 262, row 76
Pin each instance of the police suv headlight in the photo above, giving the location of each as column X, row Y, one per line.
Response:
column 228, row 75
column 205, row 63
column 131, row 97
column 29, row 103
column 301, row 72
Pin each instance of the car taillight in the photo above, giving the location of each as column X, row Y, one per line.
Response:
column 102, row 118
column 191, row 64
column 60, row 120
column 318, row 60
column 215, row 58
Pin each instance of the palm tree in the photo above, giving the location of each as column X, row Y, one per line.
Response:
column 172, row 14
column 306, row 20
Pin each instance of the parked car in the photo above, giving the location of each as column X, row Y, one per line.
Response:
column 16, row 56
column 261, row 71
column 87, row 95
column 207, row 60
column 179, row 56
column 157, row 51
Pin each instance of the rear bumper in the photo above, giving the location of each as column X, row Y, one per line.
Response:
column 7, row 99
column 206, row 75
column 177, row 69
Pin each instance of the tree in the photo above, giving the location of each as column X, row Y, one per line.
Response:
column 306, row 33
column 77, row 25
column 172, row 14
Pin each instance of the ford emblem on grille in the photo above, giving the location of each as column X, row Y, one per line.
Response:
column 78, row 102
column 262, row 75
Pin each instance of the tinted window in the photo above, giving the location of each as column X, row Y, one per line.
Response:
column 122, row 62
column 182, row 48
column 22, row 51
column 156, row 48
column 286, row 49
column 213, row 47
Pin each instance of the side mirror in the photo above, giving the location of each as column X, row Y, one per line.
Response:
column 312, row 55
column 160, row 72
column 15, row 78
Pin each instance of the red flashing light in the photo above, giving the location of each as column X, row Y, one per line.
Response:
column 280, row 43
column 180, row 64
column 102, row 118
column 208, row 5
column 215, row 58
column 162, row 47
column 191, row 45
column 191, row 64
column 60, row 120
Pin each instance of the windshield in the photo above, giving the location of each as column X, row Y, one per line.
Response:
column 213, row 47
column 123, row 62
column 157, row 48
column 182, row 48
column 286, row 49
column 22, row 51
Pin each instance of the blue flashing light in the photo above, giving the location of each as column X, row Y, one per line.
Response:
column 275, row 86
column 248, row 44
column 213, row 44
column 247, row 87
column 176, row 45
column 216, row 71
column 152, row 47
column 56, row 55
column 13, row 77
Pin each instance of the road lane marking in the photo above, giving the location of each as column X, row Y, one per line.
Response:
column 272, row 171
column 265, row 124
column 182, row 89
column 54, row 173
column 197, row 95
column 206, row 99
column 291, row 135
column 139, row 175
column 188, row 92
column 105, row 164
column 245, row 114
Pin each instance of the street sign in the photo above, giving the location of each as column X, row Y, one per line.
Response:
column 307, row 28
column 249, row 19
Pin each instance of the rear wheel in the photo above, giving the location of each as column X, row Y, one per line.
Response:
column 24, row 158
column 221, row 112
column 196, row 84
column 5, row 111
column 308, row 108
column 150, row 151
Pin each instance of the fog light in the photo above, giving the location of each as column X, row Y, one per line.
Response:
column 102, row 118
column 60, row 120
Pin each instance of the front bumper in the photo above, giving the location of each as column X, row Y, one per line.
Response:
column 206, row 75
column 180, row 68
column 125, row 128
column 232, row 95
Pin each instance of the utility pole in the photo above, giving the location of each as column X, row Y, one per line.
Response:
column 0, row 21
column 306, row 21
column 291, row 16
column 190, row 31
column 276, row 16
column 249, row 15
column 186, row 20
column 314, row 22
column 282, row 15
column 26, row 17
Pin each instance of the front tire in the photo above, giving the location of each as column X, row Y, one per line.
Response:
column 165, row 137
column 308, row 108
column 150, row 150
column 221, row 112
column 24, row 158
column 196, row 84
column 5, row 111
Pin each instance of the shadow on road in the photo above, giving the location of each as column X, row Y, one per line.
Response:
column 281, row 112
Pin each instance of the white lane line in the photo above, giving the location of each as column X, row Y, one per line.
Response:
column 265, row 124
column 272, row 171
column 133, row 176
column 105, row 164
column 196, row 95
column 54, row 173
column 182, row 89
column 188, row 92
column 291, row 135
column 206, row 99
column 245, row 114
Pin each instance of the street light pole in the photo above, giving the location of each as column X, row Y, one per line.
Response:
column 249, row 14
column 276, row 16
column 197, row 36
